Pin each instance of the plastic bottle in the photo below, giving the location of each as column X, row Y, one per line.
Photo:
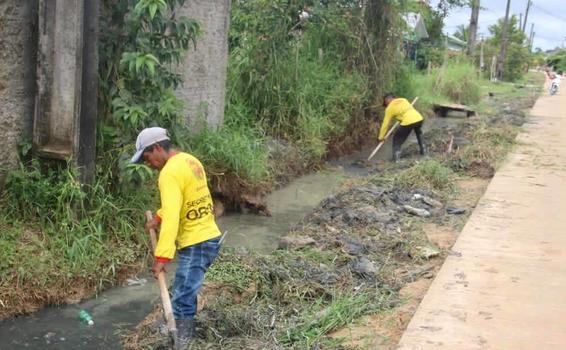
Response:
column 86, row 318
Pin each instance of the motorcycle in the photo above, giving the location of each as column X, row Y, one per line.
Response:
column 554, row 88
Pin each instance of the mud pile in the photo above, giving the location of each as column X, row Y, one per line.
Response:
column 348, row 257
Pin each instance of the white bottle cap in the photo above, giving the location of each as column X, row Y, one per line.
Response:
column 91, row 323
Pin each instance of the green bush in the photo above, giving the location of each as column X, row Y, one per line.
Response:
column 515, row 65
column 558, row 61
column 293, row 80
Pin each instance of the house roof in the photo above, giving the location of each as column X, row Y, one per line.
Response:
column 416, row 24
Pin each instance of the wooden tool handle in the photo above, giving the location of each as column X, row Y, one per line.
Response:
column 164, row 292
column 388, row 134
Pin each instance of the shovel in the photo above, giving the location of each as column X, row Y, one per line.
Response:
column 165, row 300
column 388, row 134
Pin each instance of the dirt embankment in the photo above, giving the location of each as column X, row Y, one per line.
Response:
column 352, row 273
column 287, row 162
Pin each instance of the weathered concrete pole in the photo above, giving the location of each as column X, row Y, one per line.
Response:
column 67, row 65
column 86, row 154
column 204, row 69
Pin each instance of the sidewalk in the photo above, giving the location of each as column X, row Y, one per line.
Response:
column 504, row 285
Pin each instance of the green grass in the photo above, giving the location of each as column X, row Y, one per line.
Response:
column 231, row 269
column 530, row 84
column 238, row 151
column 63, row 239
column 321, row 318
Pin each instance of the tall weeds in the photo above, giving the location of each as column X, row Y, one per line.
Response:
column 455, row 82
column 304, row 81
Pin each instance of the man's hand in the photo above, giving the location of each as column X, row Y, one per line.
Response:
column 152, row 225
column 157, row 268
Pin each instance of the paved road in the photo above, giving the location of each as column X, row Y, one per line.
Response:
column 504, row 286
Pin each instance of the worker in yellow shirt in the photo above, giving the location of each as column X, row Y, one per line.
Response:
column 186, row 222
column 409, row 119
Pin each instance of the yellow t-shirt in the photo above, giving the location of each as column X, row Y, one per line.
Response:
column 186, row 213
column 403, row 111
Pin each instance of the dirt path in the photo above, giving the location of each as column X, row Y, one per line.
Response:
column 503, row 287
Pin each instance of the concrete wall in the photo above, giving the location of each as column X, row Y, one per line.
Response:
column 204, row 69
column 17, row 75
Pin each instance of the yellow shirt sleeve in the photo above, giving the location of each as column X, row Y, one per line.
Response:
column 386, row 121
column 171, row 204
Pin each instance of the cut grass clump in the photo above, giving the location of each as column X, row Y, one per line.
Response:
column 322, row 318
column 430, row 175
column 233, row 270
column 490, row 143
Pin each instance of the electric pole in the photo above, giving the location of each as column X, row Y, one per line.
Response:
column 482, row 63
column 473, row 26
column 529, row 3
column 531, row 35
column 503, row 50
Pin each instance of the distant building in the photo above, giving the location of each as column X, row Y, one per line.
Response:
column 416, row 27
column 455, row 44
column 414, row 33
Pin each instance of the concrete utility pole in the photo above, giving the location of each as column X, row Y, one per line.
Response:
column 503, row 50
column 482, row 63
column 473, row 26
column 529, row 3
column 67, row 83
column 531, row 35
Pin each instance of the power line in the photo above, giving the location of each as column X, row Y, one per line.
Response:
column 548, row 13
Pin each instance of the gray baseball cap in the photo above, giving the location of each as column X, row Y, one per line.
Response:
column 146, row 138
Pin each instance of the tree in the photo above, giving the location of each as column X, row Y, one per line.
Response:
column 514, row 34
column 517, row 56
column 462, row 32
column 475, row 4
column 504, row 42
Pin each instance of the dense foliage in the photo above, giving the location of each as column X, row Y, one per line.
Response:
column 303, row 79
column 558, row 61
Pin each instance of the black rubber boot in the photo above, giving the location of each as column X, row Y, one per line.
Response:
column 422, row 145
column 186, row 330
column 396, row 156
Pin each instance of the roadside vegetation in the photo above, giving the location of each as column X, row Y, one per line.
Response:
column 558, row 61
column 296, row 89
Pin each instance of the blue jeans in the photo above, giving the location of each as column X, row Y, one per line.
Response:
column 193, row 261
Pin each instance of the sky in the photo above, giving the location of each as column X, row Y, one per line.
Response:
column 549, row 17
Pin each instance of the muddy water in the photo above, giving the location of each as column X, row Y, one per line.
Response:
column 124, row 307
column 288, row 206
